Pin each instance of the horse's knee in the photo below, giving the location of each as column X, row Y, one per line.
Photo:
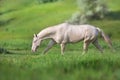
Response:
column 86, row 39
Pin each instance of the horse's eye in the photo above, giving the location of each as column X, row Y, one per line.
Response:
column 35, row 41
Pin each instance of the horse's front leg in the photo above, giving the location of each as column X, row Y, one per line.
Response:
column 62, row 48
column 85, row 47
column 50, row 44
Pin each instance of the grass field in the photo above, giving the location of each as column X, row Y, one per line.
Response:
column 20, row 19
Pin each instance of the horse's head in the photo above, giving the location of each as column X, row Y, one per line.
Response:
column 35, row 43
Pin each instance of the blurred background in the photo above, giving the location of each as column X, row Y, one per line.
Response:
column 20, row 19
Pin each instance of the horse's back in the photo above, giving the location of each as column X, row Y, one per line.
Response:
column 75, row 33
column 82, row 29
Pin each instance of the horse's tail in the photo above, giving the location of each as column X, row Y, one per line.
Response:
column 106, row 38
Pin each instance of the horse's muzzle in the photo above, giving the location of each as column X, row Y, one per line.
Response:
column 33, row 50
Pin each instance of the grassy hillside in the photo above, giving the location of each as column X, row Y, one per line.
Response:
column 20, row 19
column 33, row 18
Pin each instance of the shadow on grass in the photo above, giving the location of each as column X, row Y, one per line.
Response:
column 2, row 23
column 113, row 15
column 22, row 52
column 5, row 51
column 7, row 11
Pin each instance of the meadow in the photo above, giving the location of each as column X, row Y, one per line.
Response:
column 20, row 19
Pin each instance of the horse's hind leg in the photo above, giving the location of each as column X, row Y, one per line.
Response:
column 96, row 44
column 50, row 44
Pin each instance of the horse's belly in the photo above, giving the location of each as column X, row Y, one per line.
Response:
column 75, row 38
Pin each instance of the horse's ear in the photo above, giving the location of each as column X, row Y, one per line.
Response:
column 35, row 35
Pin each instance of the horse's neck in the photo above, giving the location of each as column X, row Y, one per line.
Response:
column 46, row 33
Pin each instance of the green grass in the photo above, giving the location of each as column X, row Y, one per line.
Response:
column 54, row 66
column 20, row 19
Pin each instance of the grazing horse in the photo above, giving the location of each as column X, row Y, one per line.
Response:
column 66, row 33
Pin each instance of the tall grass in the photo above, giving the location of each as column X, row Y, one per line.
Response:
column 54, row 66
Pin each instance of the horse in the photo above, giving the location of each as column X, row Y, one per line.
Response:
column 67, row 33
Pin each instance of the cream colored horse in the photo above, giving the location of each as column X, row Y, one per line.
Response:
column 66, row 33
